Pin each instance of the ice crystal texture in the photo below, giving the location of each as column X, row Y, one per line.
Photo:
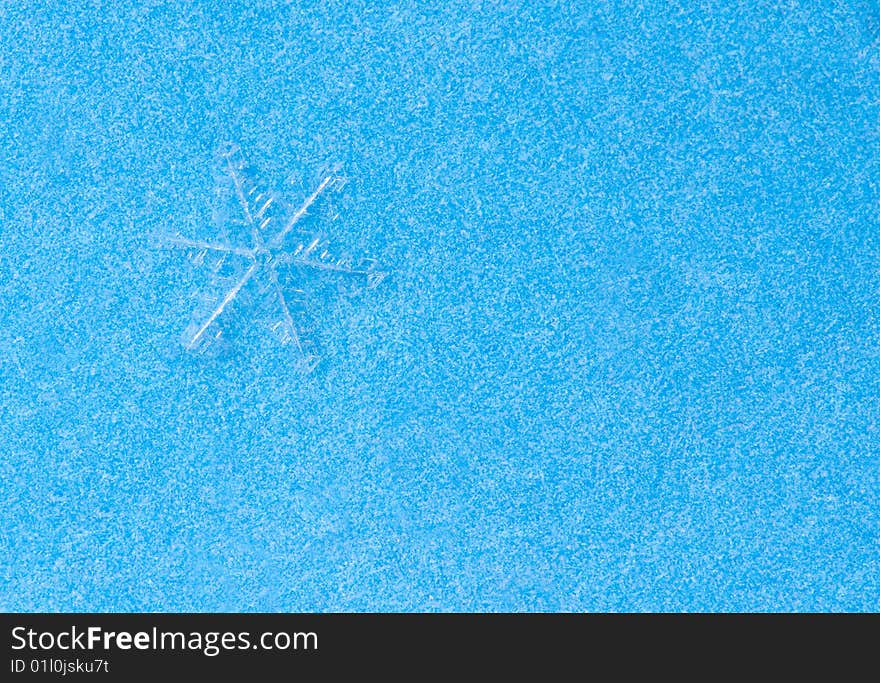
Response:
column 628, row 357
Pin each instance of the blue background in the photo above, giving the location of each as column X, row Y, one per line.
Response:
column 627, row 359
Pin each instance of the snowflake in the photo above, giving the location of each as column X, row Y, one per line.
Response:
column 272, row 241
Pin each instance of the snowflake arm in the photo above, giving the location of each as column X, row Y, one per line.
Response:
column 222, row 248
column 230, row 295
column 294, row 219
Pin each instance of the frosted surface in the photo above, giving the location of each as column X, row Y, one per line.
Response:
column 626, row 357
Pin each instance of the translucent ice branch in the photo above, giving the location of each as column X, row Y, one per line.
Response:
column 366, row 269
column 287, row 318
column 276, row 241
column 223, row 248
column 245, row 207
column 230, row 295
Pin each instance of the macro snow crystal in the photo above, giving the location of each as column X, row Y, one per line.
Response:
column 265, row 235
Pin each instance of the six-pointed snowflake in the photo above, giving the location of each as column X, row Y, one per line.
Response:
column 271, row 229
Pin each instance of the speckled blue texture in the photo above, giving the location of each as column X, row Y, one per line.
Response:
column 627, row 358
